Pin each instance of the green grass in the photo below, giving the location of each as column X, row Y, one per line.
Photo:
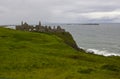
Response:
column 30, row 55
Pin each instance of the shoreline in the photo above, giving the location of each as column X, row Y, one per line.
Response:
column 99, row 52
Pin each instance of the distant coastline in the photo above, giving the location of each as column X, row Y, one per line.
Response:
column 91, row 24
column 84, row 24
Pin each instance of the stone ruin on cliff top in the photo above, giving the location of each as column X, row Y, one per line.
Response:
column 38, row 28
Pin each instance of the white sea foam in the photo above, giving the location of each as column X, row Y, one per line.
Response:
column 103, row 52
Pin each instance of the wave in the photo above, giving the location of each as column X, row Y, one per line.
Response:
column 101, row 52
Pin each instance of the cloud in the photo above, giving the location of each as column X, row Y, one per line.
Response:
column 13, row 11
column 99, row 15
column 2, row 9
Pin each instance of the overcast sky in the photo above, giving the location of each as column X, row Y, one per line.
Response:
column 59, row 11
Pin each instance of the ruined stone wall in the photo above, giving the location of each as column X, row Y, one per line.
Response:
column 38, row 28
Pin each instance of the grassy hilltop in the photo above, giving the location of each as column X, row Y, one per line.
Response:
column 30, row 55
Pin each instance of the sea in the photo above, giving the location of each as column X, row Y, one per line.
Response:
column 102, row 39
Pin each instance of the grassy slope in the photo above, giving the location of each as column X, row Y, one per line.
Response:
column 26, row 55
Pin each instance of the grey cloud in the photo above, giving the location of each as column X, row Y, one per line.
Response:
column 1, row 11
column 13, row 11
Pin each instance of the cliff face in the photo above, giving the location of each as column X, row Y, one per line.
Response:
column 68, row 39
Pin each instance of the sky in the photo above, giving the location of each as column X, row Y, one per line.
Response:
column 59, row 11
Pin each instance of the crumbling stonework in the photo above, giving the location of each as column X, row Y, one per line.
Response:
column 38, row 28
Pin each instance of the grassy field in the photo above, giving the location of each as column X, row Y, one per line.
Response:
column 30, row 55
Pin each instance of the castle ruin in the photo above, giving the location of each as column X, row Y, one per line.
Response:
column 38, row 28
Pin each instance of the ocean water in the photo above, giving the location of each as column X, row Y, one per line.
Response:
column 102, row 39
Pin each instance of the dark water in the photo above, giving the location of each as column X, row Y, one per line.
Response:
column 103, row 39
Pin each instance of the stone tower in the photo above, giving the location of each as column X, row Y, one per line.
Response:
column 21, row 22
column 39, row 23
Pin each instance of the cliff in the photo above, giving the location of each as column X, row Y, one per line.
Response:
column 68, row 39
column 58, row 31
